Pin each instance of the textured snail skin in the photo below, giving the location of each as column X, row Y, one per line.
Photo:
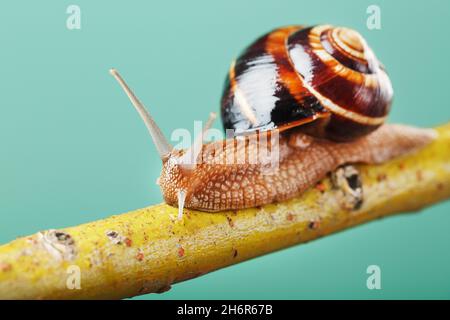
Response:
column 295, row 75
column 213, row 185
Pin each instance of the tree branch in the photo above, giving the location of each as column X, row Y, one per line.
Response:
column 147, row 250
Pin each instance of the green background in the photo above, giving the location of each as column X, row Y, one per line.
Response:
column 72, row 149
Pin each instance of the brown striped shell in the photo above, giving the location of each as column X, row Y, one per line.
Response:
column 323, row 78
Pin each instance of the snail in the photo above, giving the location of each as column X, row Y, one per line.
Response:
column 315, row 97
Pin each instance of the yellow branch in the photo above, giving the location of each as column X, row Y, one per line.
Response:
column 147, row 250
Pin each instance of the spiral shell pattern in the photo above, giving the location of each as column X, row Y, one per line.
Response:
column 323, row 79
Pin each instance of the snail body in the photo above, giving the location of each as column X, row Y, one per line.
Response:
column 215, row 185
column 316, row 98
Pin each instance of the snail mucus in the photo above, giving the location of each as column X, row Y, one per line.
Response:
column 317, row 95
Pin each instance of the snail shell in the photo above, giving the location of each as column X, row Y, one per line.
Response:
column 324, row 80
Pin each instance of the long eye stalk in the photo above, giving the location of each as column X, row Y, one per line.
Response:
column 161, row 143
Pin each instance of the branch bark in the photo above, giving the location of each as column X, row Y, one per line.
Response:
column 149, row 249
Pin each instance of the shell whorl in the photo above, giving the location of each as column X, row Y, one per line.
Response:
column 293, row 76
column 342, row 72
